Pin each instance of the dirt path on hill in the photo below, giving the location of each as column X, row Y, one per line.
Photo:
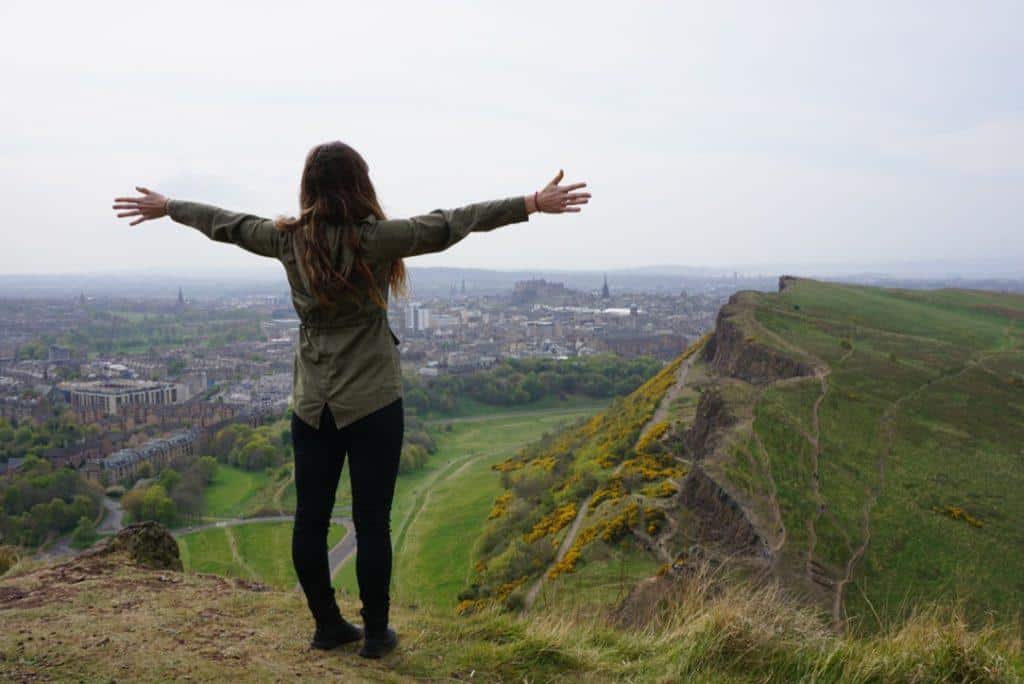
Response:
column 236, row 556
column 279, row 494
column 773, row 498
column 660, row 414
column 815, row 440
column 887, row 428
column 423, row 495
column 400, row 541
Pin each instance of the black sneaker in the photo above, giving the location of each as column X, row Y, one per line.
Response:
column 335, row 634
column 377, row 647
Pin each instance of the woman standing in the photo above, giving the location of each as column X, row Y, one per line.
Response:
column 342, row 256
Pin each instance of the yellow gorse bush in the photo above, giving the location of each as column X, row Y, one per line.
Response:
column 957, row 513
column 552, row 522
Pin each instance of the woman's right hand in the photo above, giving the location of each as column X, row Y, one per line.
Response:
column 556, row 199
column 150, row 205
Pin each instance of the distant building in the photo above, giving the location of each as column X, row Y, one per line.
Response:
column 605, row 292
column 57, row 354
column 125, row 463
column 285, row 327
column 443, row 320
column 628, row 343
column 416, row 317
column 528, row 291
column 111, row 396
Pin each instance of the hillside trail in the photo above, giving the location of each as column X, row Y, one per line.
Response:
column 279, row 493
column 401, row 540
column 886, row 430
column 448, row 471
column 236, row 555
column 773, row 499
column 345, row 549
column 660, row 414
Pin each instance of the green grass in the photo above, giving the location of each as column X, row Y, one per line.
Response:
column 209, row 551
column 451, row 498
column 467, row 407
column 232, row 490
column 922, row 411
column 263, row 551
column 605, row 577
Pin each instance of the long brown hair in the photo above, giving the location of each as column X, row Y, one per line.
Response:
column 335, row 194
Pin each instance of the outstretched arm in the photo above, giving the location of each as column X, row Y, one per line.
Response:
column 252, row 233
column 442, row 228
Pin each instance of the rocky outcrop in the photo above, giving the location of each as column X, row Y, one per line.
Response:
column 712, row 417
column 720, row 520
column 785, row 281
column 734, row 353
column 148, row 544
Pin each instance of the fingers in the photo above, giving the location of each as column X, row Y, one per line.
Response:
column 574, row 186
column 557, row 179
column 137, row 221
column 130, row 213
column 144, row 191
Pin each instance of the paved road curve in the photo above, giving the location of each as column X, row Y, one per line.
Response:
column 114, row 521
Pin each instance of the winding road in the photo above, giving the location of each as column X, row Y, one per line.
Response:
column 114, row 521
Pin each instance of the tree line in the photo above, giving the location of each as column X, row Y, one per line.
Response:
column 514, row 382
column 39, row 500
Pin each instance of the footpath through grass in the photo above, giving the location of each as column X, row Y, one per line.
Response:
column 254, row 551
column 439, row 510
column 232, row 490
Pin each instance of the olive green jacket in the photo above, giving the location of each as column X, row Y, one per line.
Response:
column 347, row 355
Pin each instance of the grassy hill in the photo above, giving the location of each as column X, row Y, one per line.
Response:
column 864, row 446
column 581, row 490
column 105, row 619
column 827, row 489
column 877, row 442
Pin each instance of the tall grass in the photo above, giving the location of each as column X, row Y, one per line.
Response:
column 712, row 628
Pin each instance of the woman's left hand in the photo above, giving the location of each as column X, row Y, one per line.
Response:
column 151, row 205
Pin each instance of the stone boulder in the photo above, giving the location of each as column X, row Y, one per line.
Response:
column 148, row 544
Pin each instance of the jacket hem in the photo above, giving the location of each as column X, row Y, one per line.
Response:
column 345, row 415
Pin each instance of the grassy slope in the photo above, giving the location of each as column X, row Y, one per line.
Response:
column 232, row 490
column 923, row 410
column 262, row 551
column 467, row 407
column 597, row 460
column 449, row 500
column 101, row 621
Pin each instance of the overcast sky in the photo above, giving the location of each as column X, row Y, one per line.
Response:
column 785, row 132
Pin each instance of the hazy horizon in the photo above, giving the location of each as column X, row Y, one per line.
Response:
column 721, row 138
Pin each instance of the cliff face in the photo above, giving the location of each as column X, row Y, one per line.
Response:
column 721, row 520
column 712, row 417
column 735, row 354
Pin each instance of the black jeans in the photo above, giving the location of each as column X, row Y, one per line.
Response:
column 373, row 445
